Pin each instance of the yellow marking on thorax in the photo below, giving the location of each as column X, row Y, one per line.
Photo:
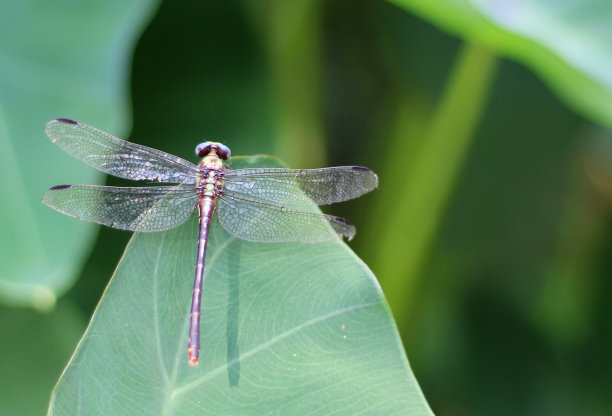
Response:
column 209, row 181
column 212, row 162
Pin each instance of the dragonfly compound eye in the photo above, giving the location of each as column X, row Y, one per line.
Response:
column 203, row 149
column 223, row 151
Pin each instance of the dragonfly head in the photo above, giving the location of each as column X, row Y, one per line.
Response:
column 219, row 149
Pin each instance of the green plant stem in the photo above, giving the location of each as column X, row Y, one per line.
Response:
column 294, row 46
column 413, row 212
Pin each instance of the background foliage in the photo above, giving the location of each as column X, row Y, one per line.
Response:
column 484, row 119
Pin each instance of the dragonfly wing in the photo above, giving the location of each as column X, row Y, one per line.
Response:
column 118, row 157
column 259, row 221
column 144, row 209
column 302, row 187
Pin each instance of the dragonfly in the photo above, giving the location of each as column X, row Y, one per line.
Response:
column 264, row 205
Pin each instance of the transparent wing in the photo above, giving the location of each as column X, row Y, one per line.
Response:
column 259, row 221
column 301, row 187
column 145, row 209
column 118, row 157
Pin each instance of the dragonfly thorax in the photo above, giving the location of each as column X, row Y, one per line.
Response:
column 213, row 148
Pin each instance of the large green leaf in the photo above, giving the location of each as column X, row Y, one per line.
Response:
column 286, row 328
column 56, row 60
column 568, row 43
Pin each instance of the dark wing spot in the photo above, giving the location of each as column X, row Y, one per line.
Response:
column 58, row 187
column 361, row 168
column 66, row 120
column 342, row 220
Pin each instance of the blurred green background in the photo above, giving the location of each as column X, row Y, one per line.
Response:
column 487, row 122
